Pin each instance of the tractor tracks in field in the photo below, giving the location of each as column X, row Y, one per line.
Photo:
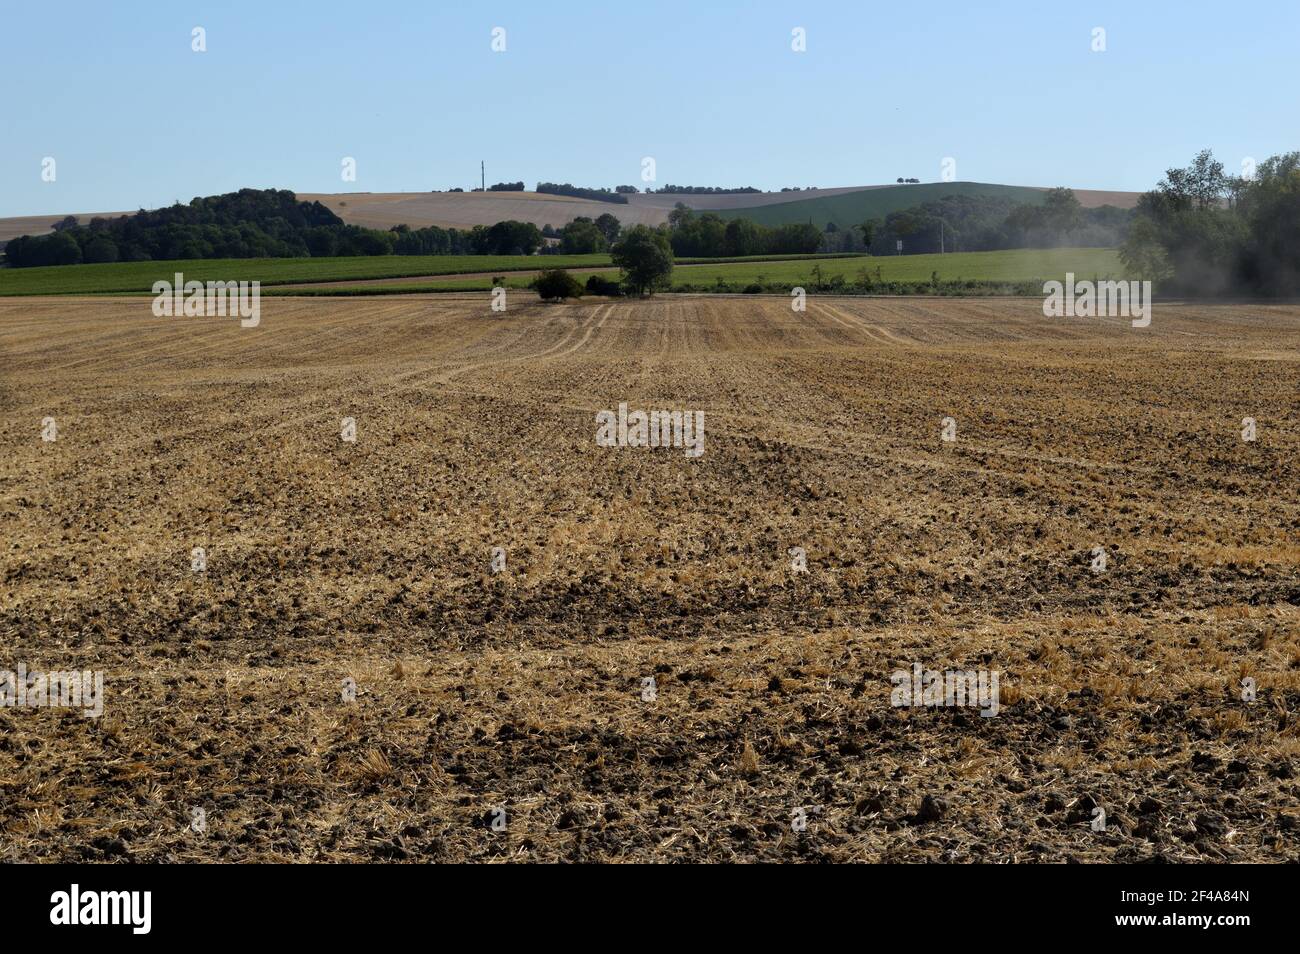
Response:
column 342, row 395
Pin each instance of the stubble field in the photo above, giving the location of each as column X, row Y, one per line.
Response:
column 509, row 715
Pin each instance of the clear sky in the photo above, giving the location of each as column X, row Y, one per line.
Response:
column 713, row 91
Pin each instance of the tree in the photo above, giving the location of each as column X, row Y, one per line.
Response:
column 100, row 249
column 1143, row 254
column 679, row 216
column 1185, row 229
column 742, row 238
column 645, row 258
column 1202, row 184
column 796, row 239
column 63, row 249
column 57, row 248
column 1270, row 205
column 322, row 241
column 555, row 284
column 713, row 234
column 512, row 238
column 1062, row 212
column 609, row 227
column 582, row 237
column 869, row 229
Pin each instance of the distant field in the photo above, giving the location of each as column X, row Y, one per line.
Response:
column 477, row 270
column 1014, row 265
column 464, row 210
column 140, row 276
column 843, row 205
column 840, row 205
column 849, row 208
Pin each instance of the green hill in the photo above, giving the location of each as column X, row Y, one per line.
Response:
column 851, row 208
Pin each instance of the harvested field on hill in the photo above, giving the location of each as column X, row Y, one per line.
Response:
column 383, row 210
column 464, row 210
column 14, row 226
column 510, row 715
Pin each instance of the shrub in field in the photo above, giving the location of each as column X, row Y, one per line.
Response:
column 600, row 285
column 555, row 284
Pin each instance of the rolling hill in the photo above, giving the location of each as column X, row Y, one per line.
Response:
column 851, row 206
column 464, row 210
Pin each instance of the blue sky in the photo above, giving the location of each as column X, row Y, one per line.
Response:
column 1011, row 90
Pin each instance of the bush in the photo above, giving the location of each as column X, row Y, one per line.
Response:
column 754, row 289
column 555, row 284
column 600, row 285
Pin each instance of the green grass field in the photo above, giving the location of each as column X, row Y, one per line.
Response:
column 854, row 207
column 138, row 277
column 1014, row 265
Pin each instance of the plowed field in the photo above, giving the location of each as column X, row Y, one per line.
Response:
column 511, row 714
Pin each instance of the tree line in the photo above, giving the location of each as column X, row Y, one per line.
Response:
column 272, row 223
column 707, row 235
column 618, row 195
column 1202, row 232
column 702, row 190
column 246, row 224
column 953, row 223
column 254, row 223
column 690, row 234
column 981, row 223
